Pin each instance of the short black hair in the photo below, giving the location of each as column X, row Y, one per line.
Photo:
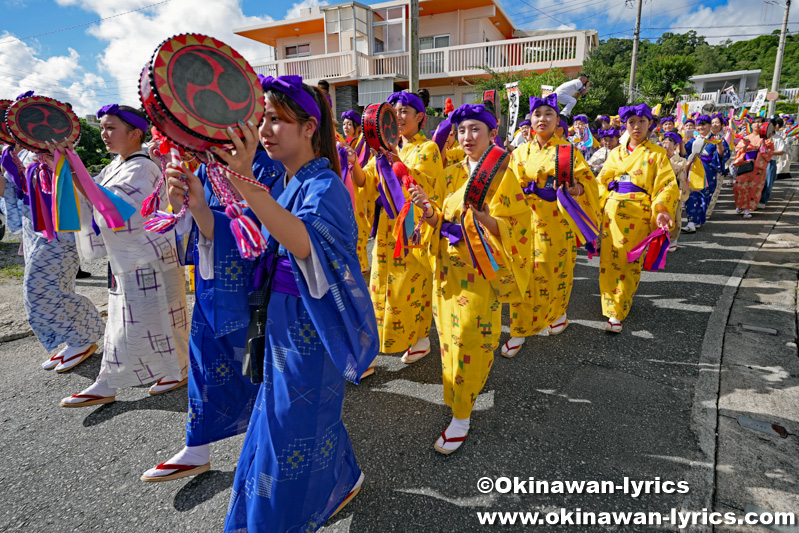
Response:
column 324, row 85
column 777, row 121
column 581, row 74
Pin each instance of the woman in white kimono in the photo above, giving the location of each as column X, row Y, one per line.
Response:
column 147, row 332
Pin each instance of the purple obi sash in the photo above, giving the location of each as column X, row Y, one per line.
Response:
column 547, row 194
column 751, row 156
column 624, row 187
column 283, row 280
column 452, row 231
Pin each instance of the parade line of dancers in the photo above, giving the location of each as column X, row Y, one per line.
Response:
column 270, row 343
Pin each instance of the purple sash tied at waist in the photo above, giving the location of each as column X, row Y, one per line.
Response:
column 751, row 156
column 283, row 280
column 547, row 194
column 624, row 187
column 566, row 203
column 452, row 231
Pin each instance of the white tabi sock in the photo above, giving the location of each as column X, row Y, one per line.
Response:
column 164, row 384
column 459, row 427
column 422, row 345
column 188, row 456
column 97, row 389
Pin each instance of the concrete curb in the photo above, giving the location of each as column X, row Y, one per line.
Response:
column 704, row 412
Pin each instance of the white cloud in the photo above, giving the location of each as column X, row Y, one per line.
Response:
column 61, row 77
column 728, row 21
column 294, row 11
column 128, row 42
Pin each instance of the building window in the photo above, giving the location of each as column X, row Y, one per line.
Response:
column 298, row 50
column 388, row 28
column 438, row 101
column 437, row 41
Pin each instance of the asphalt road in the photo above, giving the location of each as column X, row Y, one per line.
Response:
column 585, row 405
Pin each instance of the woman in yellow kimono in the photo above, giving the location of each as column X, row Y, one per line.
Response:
column 357, row 151
column 401, row 286
column 555, row 244
column 639, row 193
column 467, row 307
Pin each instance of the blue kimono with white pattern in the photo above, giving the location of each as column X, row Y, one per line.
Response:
column 297, row 464
column 220, row 396
column 697, row 204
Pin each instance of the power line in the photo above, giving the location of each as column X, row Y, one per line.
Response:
column 15, row 39
column 543, row 12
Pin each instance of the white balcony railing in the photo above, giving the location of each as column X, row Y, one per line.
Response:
column 316, row 68
column 748, row 98
column 532, row 53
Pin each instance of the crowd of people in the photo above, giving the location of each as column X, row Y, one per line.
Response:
column 270, row 343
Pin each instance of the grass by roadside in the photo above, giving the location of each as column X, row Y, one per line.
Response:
column 12, row 272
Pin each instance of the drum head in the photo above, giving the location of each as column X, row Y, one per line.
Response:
column 204, row 87
column 380, row 126
column 5, row 135
column 766, row 130
column 37, row 119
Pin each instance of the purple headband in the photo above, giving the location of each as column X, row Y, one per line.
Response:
column 640, row 110
column 26, row 94
column 667, row 119
column 474, row 112
column 525, row 123
column 690, row 120
column 604, row 117
column 407, row 99
column 550, row 100
column 565, row 125
column 703, row 118
column 721, row 117
column 291, row 86
column 609, row 132
column 674, row 136
column 351, row 115
column 581, row 118
column 131, row 118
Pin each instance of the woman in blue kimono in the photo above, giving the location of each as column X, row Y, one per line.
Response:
column 698, row 203
column 717, row 125
column 297, row 467
column 221, row 398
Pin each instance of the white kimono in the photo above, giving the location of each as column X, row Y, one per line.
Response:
column 147, row 331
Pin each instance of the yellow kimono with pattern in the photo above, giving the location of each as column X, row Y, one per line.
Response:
column 555, row 246
column 401, row 288
column 629, row 218
column 467, row 308
column 455, row 154
column 363, row 213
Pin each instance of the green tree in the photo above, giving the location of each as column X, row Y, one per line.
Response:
column 663, row 78
column 90, row 147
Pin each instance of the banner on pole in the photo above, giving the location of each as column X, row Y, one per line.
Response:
column 546, row 90
column 733, row 96
column 514, row 97
column 760, row 100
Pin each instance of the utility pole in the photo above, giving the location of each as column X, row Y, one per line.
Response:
column 775, row 80
column 414, row 48
column 634, row 64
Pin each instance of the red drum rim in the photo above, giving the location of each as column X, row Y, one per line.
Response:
column 5, row 135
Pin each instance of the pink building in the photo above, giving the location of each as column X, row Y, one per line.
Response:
column 363, row 51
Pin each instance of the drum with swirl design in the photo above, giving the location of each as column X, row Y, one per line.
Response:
column 35, row 120
column 195, row 87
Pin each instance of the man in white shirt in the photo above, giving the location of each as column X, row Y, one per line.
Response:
column 569, row 92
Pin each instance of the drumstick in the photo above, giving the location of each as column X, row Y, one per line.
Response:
column 407, row 180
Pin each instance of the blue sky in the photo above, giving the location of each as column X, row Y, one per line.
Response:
column 98, row 62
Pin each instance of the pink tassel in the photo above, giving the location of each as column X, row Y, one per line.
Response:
column 249, row 239
column 152, row 203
